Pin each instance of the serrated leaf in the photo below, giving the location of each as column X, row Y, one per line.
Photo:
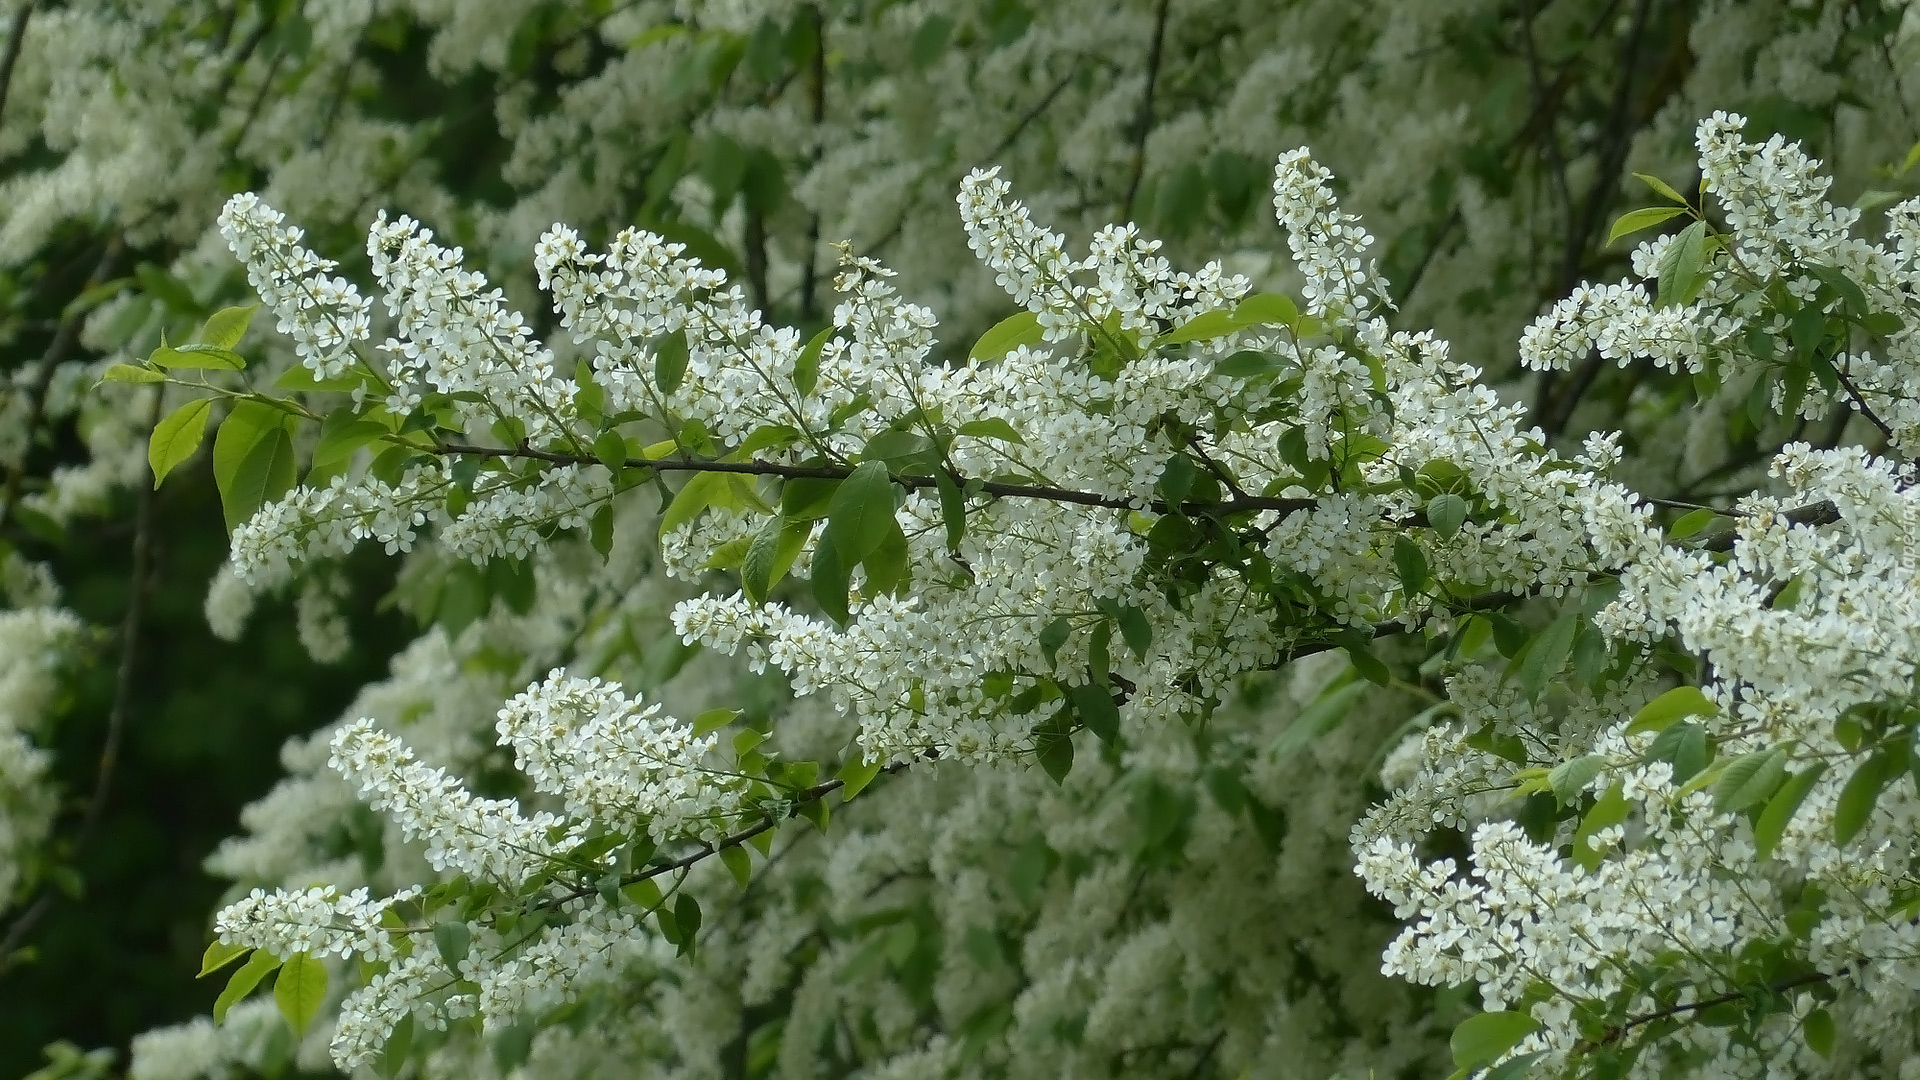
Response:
column 1411, row 564
column 393, row 1056
column 806, row 366
column 1022, row 328
column 1749, row 779
column 128, row 373
column 855, row 775
column 600, row 530
column 1676, row 704
column 771, row 554
column 1608, row 810
column 861, row 517
column 670, row 361
column 992, row 427
column 1481, row 1039
column 299, row 989
column 341, row 433
column 1569, row 778
column 699, row 492
column 452, row 938
column 1690, row 523
column 1054, row 635
column 1858, row 797
column 1446, row 512
column 1207, row 324
column 218, row 955
column 242, row 981
column 252, row 460
column 1662, row 188
column 1817, row 1028
column 1683, row 266
column 1054, row 751
column 177, row 437
column 1135, row 629
column 953, row 509
column 738, row 863
column 1267, row 309
column 196, row 356
column 1547, row 654
column 611, row 450
column 1772, row 823
column 829, row 582
column 225, row 328
column 1093, row 703
column 713, row 720
column 1634, row 220
column 1249, row 364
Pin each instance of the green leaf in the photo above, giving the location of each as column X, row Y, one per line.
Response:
column 1411, row 563
column 600, row 530
column 342, row 433
column 175, row 438
column 1690, row 523
column 1135, row 629
column 299, row 989
column 130, row 374
column 698, row 493
column 1446, row 512
column 1634, row 220
column 738, row 863
column 1054, row 635
column 1817, row 1029
column 225, row 328
column 452, row 937
column 1683, row 266
column 1207, row 324
column 1054, row 751
column 1676, row 704
column 829, row 582
column 197, row 356
column 1480, row 1039
column 1093, row 703
column 992, row 427
column 1007, row 335
column 713, row 720
column 806, row 367
column 1547, row 654
column 855, row 775
column 670, row 361
column 1249, row 364
column 219, row 955
column 771, row 555
column 861, row 515
column 393, row 1056
column 242, row 982
column 1267, row 309
column 611, row 449
column 1608, row 810
column 1569, row 778
column 1318, row 718
column 1772, row 823
column 1662, row 189
column 252, row 459
column 1857, row 799
column 953, row 509
column 1749, row 779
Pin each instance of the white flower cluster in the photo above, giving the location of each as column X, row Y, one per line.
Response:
column 325, row 316
column 615, row 763
column 34, row 644
column 1775, row 820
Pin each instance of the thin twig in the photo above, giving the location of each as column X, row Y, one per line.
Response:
column 16, row 37
column 1143, row 122
column 123, row 691
column 65, row 336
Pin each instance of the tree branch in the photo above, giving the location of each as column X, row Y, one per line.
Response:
column 16, row 37
column 1143, row 122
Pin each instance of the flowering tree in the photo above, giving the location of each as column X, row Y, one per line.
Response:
column 1121, row 646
